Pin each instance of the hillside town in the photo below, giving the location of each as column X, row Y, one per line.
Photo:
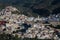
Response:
column 28, row 27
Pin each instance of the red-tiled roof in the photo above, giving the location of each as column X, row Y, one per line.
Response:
column 2, row 22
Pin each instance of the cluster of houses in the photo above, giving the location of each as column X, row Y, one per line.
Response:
column 27, row 27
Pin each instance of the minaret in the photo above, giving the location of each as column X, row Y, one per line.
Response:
column 38, row 17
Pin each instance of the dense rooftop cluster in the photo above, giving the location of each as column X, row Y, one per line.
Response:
column 27, row 27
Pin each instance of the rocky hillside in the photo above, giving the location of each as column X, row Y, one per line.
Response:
column 34, row 7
